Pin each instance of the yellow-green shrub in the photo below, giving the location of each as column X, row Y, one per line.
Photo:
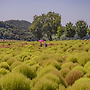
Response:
column 45, row 70
column 61, row 87
column 87, row 75
column 7, row 57
column 4, row 71
column 88, row 69
column 87, row 48
column 68, row 65
column 53, row 78
column 15, row 64
column 35, row 67
column 15, row 81
column 83, row 59
column 64, row 72
column 87, row 65
column 52, row 62
column 81, row 68
column 44, row 84
column 72, row 58
column 4, row 65
column 81, row 84
column 31, row 62
column 26, row 70
column 11, row 61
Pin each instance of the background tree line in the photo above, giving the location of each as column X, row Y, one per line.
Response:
column 16, row 30
column 78, row 31
column 49, row 25
column 45, row 26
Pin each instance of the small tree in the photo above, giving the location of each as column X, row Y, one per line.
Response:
column 69, row 30
column 81, row 28
column 36, row 27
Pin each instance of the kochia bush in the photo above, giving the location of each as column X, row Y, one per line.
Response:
column 87, row 65
column 81, row 68
column 15, row 81
column 45, row 70
column 44, row 84
column 84, row 58
column 68, row 65
column 81, row 84
column 4, row 65
column 4, row 71
column 72, row 76
column 53, row 78
column 15, row 64
column 25, row 70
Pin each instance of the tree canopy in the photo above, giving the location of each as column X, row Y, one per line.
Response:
column 81, row 28
column 12, row 31
column 45, row 25
column 69, row 30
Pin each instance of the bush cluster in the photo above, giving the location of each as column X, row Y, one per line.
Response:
column 15, row 81
column 62, row 65
column 26, row 70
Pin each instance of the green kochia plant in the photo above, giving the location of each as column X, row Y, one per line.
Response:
column 87, row 65
column 4, row 71
column 45, row 70
column 15, row 81
column 81, row 68
column 16, row 63
column 26, row 70
column 84, row 58
column 44, row 84
column 4, row 65
column 81, row 84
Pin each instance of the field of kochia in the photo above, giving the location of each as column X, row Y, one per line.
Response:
column 62, row 65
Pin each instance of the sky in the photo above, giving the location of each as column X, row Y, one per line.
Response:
column 70, row 10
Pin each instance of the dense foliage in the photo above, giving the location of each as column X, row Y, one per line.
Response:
column 81, row 28
column 22, row 24
column 15, row 30
column 45, row 25
column 62, row 65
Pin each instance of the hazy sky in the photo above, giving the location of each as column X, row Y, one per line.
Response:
column 70, row 10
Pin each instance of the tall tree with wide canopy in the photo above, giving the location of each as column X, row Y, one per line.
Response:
column 81, row 28
column 69, row 30
column 36, row 27
column 45, row 24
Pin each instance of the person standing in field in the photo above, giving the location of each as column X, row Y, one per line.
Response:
column 45, row 45
column 40, row 44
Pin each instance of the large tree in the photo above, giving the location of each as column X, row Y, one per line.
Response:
column 36, row 27
column 81, row 28
column 69, row 30
column 45, row 24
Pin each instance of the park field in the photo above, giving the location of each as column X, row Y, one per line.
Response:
column 62, row 65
